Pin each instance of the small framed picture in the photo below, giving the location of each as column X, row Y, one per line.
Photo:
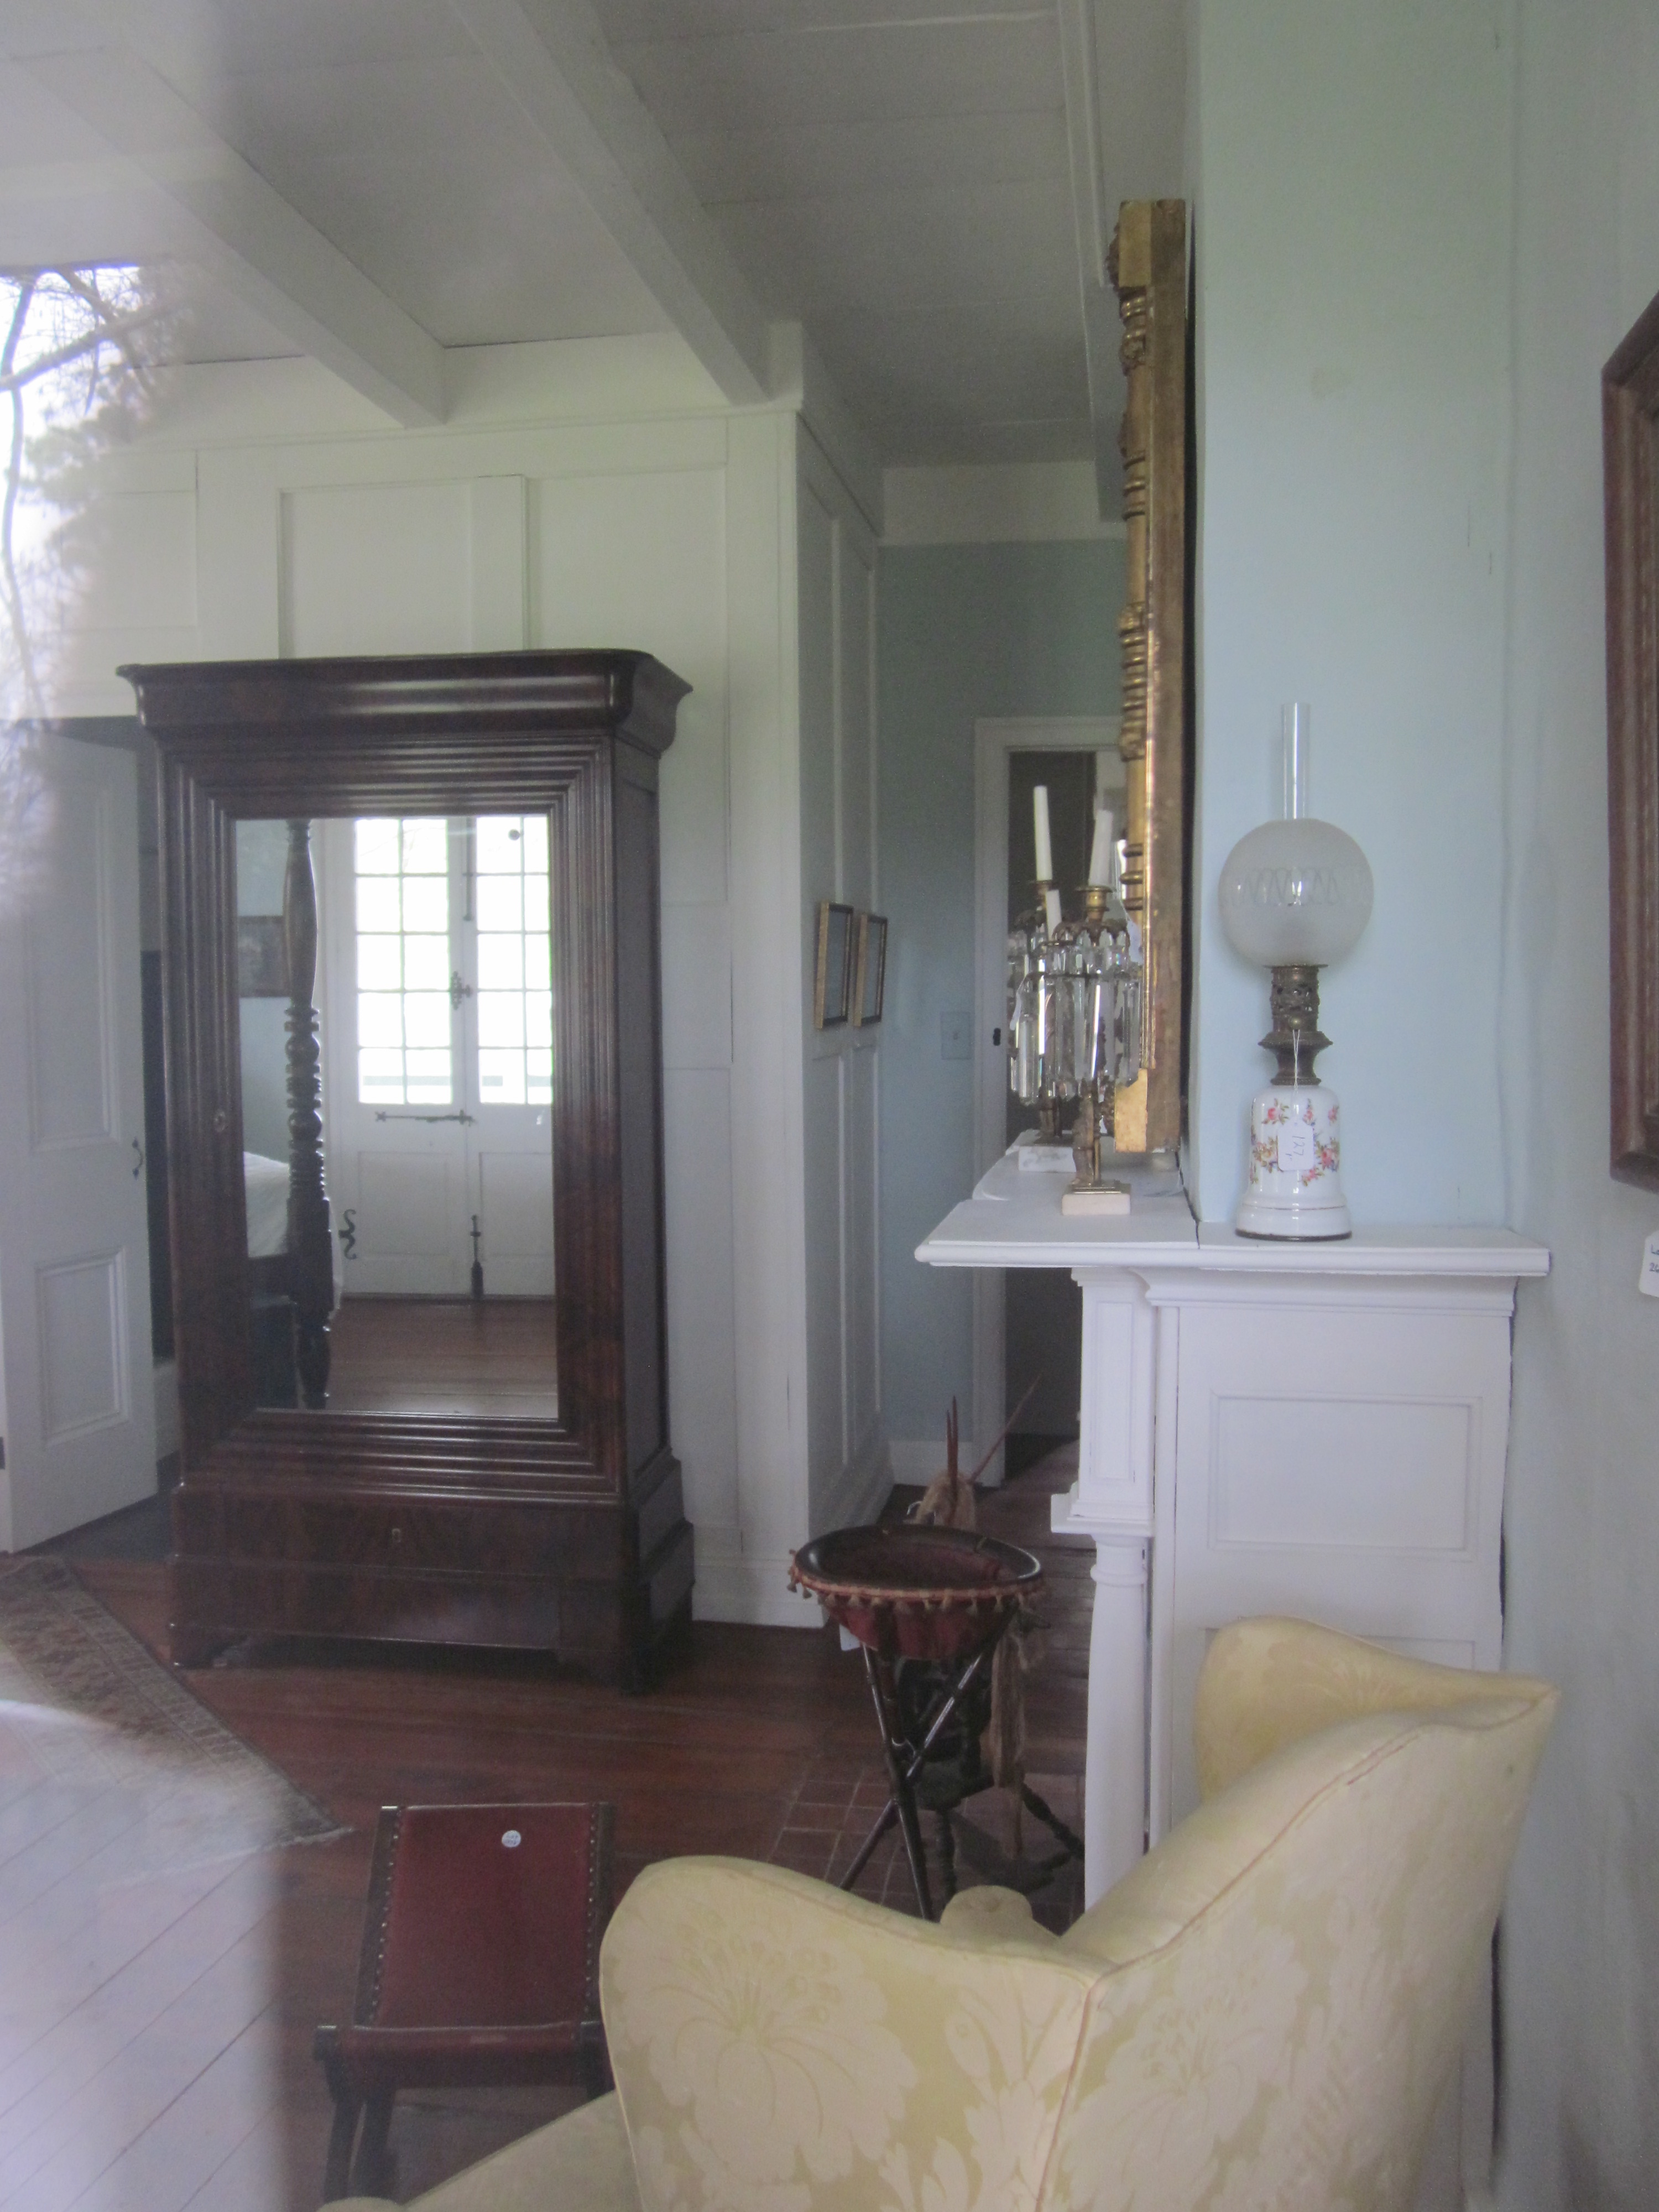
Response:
column 833, row 987
column 870, row 978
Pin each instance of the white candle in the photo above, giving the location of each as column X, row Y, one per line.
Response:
column 1051, row 910
column 1045, row 858
column 1100, row 858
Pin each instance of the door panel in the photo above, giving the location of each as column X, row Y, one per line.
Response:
column 80, row 1424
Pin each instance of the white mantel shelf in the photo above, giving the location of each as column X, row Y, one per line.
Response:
column 1013, row 1220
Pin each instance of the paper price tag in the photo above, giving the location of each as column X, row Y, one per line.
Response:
column 1648, row 1281
column 1297, row 1151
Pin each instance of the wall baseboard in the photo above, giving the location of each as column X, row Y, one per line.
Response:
column 751, row 1592
column 861, row 1489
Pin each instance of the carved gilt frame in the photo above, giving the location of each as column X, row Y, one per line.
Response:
column 1629, row 435
column 1147, row 265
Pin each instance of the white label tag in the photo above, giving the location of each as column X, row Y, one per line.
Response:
column 1297, row 1151
column 1648, row 1281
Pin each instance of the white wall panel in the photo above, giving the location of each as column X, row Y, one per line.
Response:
column 702, row 1304
column 634, row 561
column 696, row 986
column 131, row 562
column 377, row 569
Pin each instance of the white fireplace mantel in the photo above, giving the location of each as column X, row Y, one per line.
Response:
column 1311, row 1428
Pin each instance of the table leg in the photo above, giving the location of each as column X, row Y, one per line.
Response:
column 900, row 1782
column 372, row 2177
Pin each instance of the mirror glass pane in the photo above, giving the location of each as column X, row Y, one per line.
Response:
column 434, row 1005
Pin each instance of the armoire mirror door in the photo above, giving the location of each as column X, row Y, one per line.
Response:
column 563, row 1531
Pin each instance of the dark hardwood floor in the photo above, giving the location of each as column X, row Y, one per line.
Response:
column 155, row 2036
column 455, row 1355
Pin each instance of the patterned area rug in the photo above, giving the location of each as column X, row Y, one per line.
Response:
column 86, row 1711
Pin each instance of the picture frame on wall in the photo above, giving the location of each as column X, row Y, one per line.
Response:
column 870, row 975
column 833, row 979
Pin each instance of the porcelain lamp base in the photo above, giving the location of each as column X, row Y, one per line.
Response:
column 1295, row 1187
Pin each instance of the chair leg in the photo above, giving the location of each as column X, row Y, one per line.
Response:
column 371, row 2176
column 337, row 2173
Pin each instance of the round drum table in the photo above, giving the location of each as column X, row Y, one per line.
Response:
column 945, row 1596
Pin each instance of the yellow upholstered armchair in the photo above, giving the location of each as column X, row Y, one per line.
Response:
column 1261, row 2017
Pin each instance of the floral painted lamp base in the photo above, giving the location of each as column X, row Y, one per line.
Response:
column 1294, row 1186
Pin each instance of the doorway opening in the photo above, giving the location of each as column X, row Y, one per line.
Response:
column 1028, row 1322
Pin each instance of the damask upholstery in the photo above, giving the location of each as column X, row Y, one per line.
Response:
column 1261, row 2017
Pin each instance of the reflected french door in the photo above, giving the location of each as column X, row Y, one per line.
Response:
column 438, row 1053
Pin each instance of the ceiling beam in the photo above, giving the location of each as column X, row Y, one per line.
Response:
column 1094, row 233
column 230, row 222
column 551, row 59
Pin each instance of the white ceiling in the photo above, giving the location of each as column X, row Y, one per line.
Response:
column 923, row 184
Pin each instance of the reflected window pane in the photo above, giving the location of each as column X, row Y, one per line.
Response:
column 375, row 847
column 380, row 909
column 379, row 1018
column 380, row 1075
column 404, row 1020
column 514, row 1002
column 380, row 964
column 426, row 848
column 500, row 845
column 500, row 1017
column 501, row 1079
column 500, row 903
column 429, row 1078
column 501, row 964
column 426, row 1020
column 426, row 904
column 426, row 964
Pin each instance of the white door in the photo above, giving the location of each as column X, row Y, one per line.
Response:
column 79, row 1415
column 438, row 1054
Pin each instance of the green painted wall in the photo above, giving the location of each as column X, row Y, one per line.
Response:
column 963, row 632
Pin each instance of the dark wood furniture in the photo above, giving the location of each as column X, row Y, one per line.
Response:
column 568, row 1534
column 479, row 1966
column 1630, row 427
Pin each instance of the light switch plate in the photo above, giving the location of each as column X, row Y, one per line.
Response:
column 1648, row 1281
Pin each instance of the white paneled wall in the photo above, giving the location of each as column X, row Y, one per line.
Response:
column 848, row 1472
column 678, row 535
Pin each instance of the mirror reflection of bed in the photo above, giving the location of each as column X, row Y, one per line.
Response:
column 424, row 1105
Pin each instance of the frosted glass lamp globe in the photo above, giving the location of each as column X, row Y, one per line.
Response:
column 1296, row 893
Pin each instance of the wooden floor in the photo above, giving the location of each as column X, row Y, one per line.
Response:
column 455, row 1356
column 155, row 2037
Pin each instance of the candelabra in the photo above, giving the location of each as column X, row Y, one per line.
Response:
column 1076, row 993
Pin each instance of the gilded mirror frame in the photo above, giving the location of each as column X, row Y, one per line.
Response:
column 1147, row 265
column 1630, row 432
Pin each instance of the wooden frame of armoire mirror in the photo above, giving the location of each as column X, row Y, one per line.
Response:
column 566, row 1535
